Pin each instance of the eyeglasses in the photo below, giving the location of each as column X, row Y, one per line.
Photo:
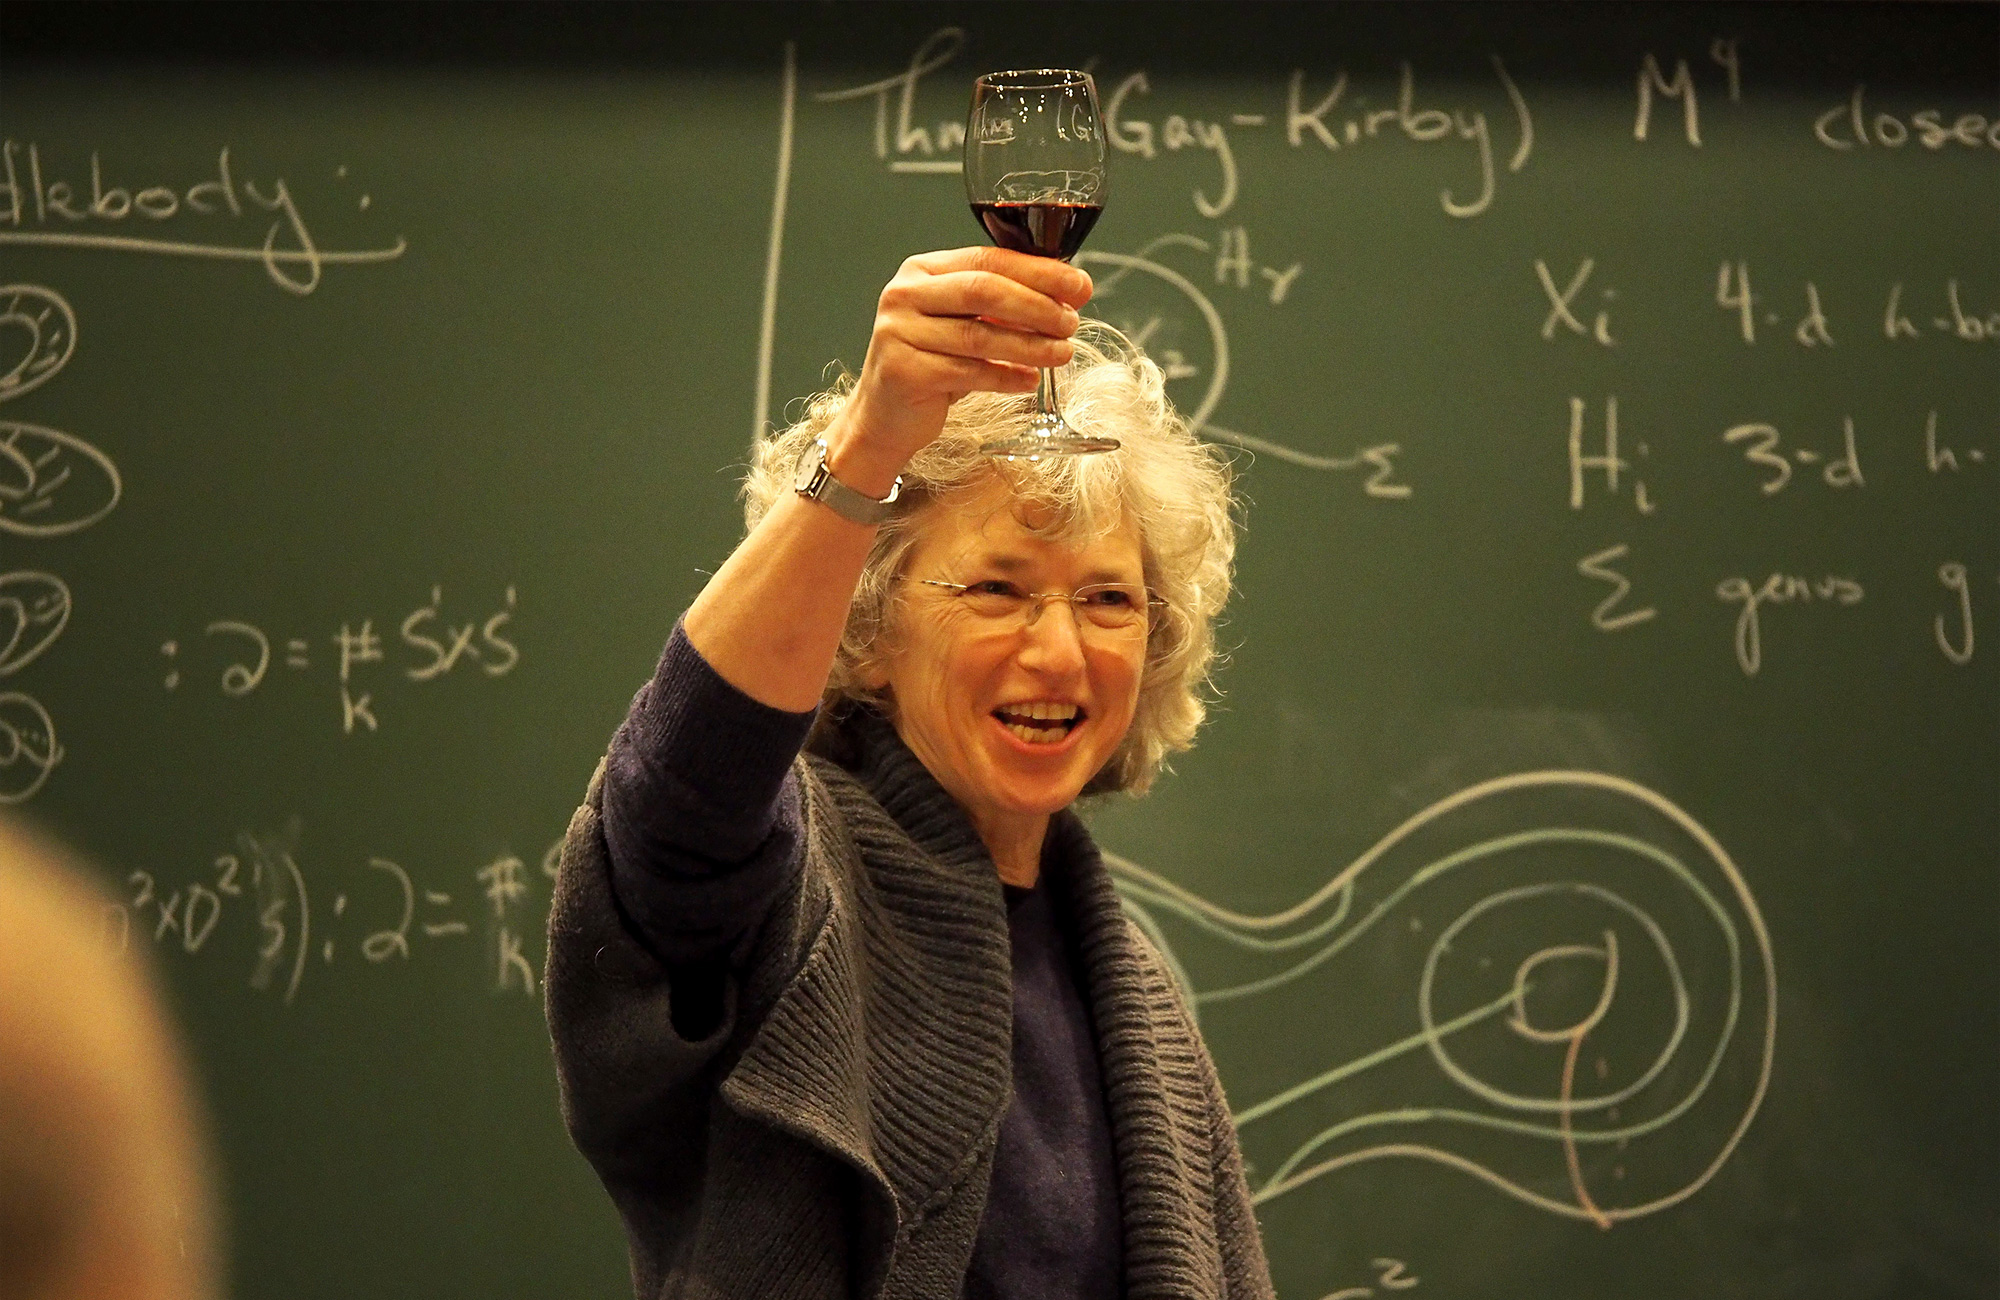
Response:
column 1113, row 606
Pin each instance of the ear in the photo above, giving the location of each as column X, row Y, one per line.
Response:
column 874, row 675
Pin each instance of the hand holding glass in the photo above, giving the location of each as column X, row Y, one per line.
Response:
column 1034, row 174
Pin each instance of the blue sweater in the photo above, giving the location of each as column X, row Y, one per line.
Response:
column 703, row 820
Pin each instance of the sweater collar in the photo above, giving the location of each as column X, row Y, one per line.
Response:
column 1153, row 1083
column 908, row 792
column 1149, row 1058
column 871, row 749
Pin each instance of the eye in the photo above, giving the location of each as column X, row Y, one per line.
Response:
column 1108, row 597
column 994, row 587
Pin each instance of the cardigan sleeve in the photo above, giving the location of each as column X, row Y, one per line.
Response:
column 701, row 810
column 640, row 1042
column 689, row 845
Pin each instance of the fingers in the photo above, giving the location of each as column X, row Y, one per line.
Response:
column 1045, row 275
column 951, row 323
column 993, row 298
column 968, row 303
column 996, row 377
column 911, row 370
column 980, row 340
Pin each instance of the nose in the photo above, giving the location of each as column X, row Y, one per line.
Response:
column 1053, row 638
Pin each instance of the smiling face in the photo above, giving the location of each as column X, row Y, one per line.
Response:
column 1013, row 721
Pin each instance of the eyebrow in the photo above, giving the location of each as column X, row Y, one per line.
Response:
column 1012, row 564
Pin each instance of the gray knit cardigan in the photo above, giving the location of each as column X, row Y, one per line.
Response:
column 833, row 1136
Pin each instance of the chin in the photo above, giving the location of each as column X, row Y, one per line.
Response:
column 1041, row 799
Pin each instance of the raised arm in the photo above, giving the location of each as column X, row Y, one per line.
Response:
column 950, row 323
column 698, row 827
column 701, row 821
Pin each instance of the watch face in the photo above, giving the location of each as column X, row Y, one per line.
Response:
column 809, row 463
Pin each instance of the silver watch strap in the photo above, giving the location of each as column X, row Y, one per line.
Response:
column 843, row 500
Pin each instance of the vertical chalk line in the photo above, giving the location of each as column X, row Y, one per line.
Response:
column 773, row 254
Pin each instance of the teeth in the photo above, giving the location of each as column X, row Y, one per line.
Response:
column 1038, row 722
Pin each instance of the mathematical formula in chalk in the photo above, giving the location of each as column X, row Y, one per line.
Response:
column 431, row 642
column 259, row 904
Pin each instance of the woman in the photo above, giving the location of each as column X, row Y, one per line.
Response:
column 870, row 1021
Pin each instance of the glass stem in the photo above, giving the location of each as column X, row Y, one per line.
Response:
column 1045, row 395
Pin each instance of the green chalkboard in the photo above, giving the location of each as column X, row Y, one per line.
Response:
column 1589, row 881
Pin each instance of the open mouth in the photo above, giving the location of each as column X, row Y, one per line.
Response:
column 1039, row 723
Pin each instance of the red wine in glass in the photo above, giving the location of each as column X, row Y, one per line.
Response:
column 1034, row 175
column 1044, row 229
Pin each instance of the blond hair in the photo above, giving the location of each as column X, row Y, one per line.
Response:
column 106, row 1186
column 1173, row 486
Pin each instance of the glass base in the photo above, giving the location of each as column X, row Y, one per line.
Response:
column 1047, row 435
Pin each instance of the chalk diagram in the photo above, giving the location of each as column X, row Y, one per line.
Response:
column 50, row 326
column 1578, row 985
column 34, row 609
column 52, row 484
column 1153, row 311
column 29, row 750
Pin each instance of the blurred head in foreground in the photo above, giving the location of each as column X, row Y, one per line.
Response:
column 104, row 1188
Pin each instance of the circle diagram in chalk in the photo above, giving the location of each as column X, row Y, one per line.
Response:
column 29, row 750
column 51, row 482
column 37, row 335
column 34, row 609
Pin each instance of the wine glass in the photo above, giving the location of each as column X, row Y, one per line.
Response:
column 1034, row 174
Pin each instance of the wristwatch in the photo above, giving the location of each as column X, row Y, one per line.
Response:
column 816, row 482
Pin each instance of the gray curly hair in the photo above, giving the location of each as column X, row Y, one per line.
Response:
column 1175, row 487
